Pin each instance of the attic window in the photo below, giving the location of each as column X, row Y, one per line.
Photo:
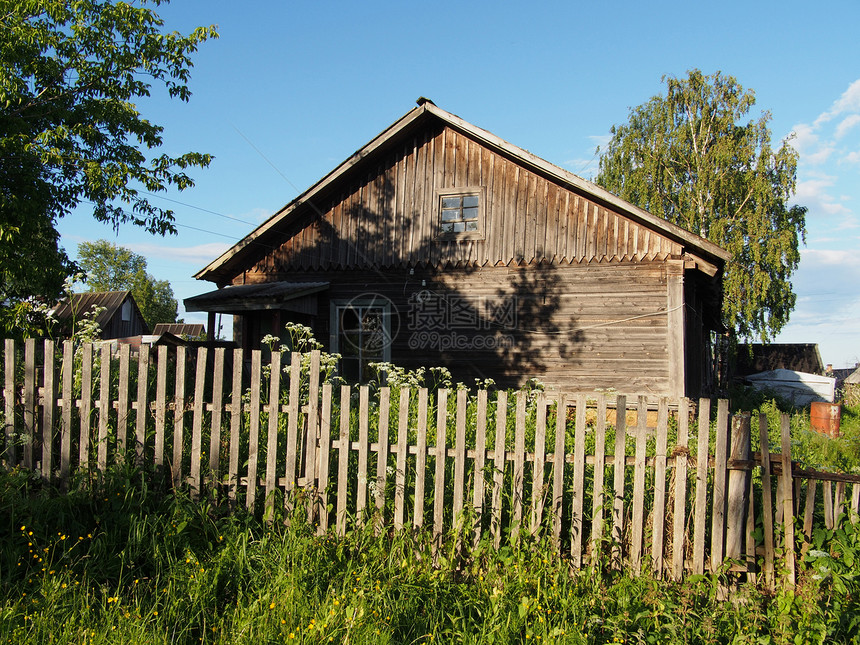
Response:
column 461, row 213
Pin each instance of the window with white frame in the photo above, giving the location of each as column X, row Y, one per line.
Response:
column 361, row 334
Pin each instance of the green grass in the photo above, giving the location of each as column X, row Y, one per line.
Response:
column 136, row 563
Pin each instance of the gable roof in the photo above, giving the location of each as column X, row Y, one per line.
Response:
column 79, row 304
column 707, row 254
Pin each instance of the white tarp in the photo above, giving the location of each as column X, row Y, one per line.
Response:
column 800, row 388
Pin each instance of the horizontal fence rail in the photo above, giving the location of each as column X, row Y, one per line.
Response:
column 672, row 486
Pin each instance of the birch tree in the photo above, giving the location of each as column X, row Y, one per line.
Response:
column 692, row 157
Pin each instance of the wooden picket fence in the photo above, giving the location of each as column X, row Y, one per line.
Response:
column 687, row 497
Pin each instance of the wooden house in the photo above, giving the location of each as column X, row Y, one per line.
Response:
column 118, row 317
column 438, row 243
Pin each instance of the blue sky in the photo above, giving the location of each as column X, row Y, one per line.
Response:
column 293, row 88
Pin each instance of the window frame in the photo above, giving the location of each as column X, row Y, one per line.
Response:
column 462, row 191
column 335, row 331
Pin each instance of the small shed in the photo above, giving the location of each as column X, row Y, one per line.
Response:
column 799, row 388
column 120, row 316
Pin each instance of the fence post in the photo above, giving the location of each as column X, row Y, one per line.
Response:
column 788, row 498
column 718, row 515
column 10, row 396
column 738, row 500
column 766, row 501
column 49, row 404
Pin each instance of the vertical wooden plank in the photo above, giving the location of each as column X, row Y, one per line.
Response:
column 577, row 525
column 658, row 527
column 363, row 449
column 293, row 411
column 343, row 460
column 538, row 493
column 402, row 450
column 323, row 468
column 104, row 407
column 702, row 467
column 718, row 511
column 235, row 424
column 788, row 499
column 809, row 509
column 480, row 462
column 420, row 459
column 737, row 507
column 86, row 406
column 217, row 413
column 499, row 467
column 29, row 411
column 750, row 550
column 273, row 409
column 618, row 468
column 160, row 406
column 827, row 492
column 519, row 464
column 179, row 415
column 558, row 459
column 382, row 453
column 49, row 405
column 254, row 429
column 197, row 421
column 66, row 415
column 313, row 428
column 122, row 405
column 10, row 401
column 459, row 459
column 638, row 520
column 439, row 471
column 839, row 503
column 597, row 500
column 680, row 510
column 142, row 402
column 855, row 501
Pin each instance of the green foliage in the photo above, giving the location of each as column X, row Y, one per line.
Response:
column 70, row 131
column 110, row 267
column 130, row 561
column 690, row 158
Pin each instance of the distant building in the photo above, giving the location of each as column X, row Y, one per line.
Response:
column 120, row 317
column 183, row 330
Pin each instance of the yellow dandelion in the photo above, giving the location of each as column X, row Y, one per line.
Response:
column 272, row 606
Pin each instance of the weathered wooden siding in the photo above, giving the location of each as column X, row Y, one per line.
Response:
column 388, row 215
column 576, row 326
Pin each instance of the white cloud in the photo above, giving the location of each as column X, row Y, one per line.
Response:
column 848, row 102
column 846, row 124
column 852, row 157
column 813, row 193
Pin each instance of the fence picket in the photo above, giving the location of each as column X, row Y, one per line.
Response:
column 420, row 459
column 382, row 454
column 402, row 450
column 254, row 429
column 499, row 467
column 10, row 401
column 197, row 421
column 86, row 412
column 702, row 458
column 788, row 501
column 679, row 512
column 343, row 460
column 459, row 461
column 439, row 465
column 273, row 408
column 558, row 468
column 618, row 468
column 122, row 404
column 179, row 414
column 235, row 424
column 49, row 406
column 66, row 415
column 538, row 493
column 363, row 448
column 637, row 525
column 30, row 397
column 519, row 463
column 293, row 411
column 142, row 402
column 718, row 512
column 809, row 508
column 737, row 507
column 104, row 406
column 839, row 502
column 313, row 430
column 577, row 525
column 160, row 406
column 599, row 468
column 323, row 470
column 659, row 514
column 217, row 413
column 480, row 461
column 827, row 493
